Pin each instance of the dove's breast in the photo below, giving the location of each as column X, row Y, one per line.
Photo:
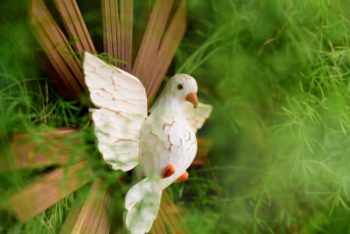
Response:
column 165, row 140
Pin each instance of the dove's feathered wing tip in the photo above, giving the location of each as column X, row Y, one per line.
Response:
column 207, row 109
column 88, row 55
column 142, row 204
column 88, row 60
column 197, row 116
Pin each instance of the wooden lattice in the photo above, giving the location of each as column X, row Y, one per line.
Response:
column 146, row 53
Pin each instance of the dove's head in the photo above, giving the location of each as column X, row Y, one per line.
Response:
column 183, row 87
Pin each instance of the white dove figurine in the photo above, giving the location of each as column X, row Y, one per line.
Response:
column 163, row 142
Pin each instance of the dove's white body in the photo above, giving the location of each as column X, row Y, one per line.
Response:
column 127, row 136
column 167, row 137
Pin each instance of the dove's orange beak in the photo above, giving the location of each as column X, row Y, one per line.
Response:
column 192, row 97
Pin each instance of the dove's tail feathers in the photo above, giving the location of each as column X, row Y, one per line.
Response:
column 142, row 204
column 118, row 137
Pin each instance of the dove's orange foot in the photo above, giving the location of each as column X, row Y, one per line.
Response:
column 182, row 177
column 169, row 170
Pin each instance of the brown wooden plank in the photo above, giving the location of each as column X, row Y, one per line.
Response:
column 57, row 48
column 48, row 190
column 45, row 149
column 117, row 31
column 75, row 25
column 65, row 77
column 168, row 217
column 71, row 218
column 115, row 24
column 140, row 26
column 28, row 152
column 92, row 216
column 107, row 33
column 110, row 29
column 126, row 26
column 172, row 215
column 147, row 53
column 167, row 49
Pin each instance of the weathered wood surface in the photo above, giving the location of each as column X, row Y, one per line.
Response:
column 55, row 147
column 48, row 190
column 57, row 49
column 92, row 216
column 169, row 217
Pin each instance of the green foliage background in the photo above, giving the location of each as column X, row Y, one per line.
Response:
column 277, row 73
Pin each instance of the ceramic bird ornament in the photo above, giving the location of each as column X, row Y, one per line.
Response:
column 163, row 140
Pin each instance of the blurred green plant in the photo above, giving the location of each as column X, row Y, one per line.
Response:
column 278, row 74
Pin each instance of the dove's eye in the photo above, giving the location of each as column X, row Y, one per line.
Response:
column 180, row 86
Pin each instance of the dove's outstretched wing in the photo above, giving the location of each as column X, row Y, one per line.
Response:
column 122, row 108
column 197, row 116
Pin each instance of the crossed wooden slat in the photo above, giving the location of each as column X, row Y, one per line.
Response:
column 50, row 188
column 162, row 35
column 92, row 216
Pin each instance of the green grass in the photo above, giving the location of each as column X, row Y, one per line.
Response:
column 277, row 73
